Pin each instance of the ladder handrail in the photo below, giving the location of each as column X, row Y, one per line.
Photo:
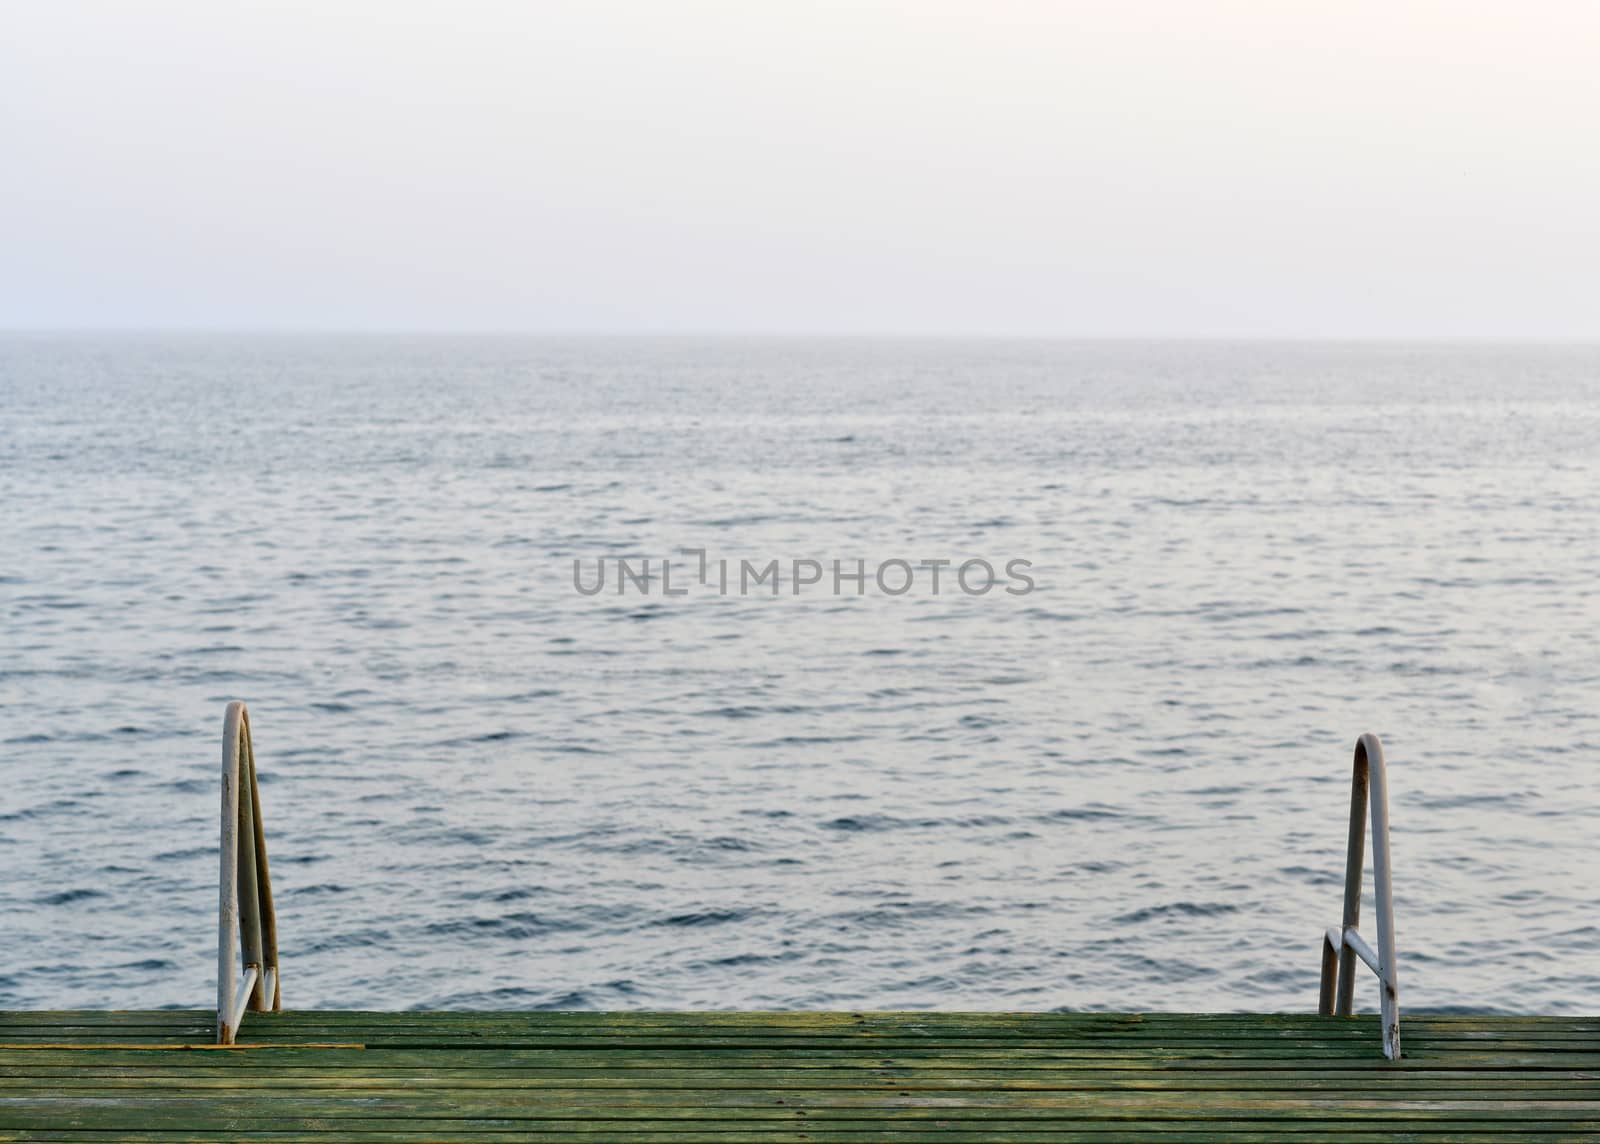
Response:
column 246, row 917
column 1342, row 945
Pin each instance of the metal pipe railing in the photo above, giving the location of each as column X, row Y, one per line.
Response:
column 1343, row 945
column 245, row 915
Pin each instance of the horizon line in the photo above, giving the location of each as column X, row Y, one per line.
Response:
column 781, row 335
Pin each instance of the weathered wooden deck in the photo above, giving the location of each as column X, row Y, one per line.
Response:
column 844, row 1077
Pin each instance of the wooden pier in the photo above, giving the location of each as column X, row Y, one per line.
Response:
column 754, row 1078
column 861, row 1078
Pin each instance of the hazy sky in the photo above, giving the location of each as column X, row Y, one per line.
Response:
column 998, row 166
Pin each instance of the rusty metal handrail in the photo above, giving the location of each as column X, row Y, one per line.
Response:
column 1342, row 945
column 246, row 918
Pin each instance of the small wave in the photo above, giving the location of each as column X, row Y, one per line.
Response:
column 188, row 786
column 1494, row 800
column 1176, row 910
column 1313, row 876
column 67, row 897
column 875, row 822
column 702, row 918
column 897, row 915
column 865, row 822
column 738, row 960
column 500, row 736
column 807, row 741
column 744, row 712
column 737, row 521
column 355, row 939
column 191, row 852
column 505, row 997
column 514, row 894
column 515, row 927
column 1091, row 813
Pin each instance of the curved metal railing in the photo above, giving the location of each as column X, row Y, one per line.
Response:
column 245, row 915
column 1342, row 945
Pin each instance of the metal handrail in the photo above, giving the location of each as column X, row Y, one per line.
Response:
column 246, row 917
column 1342, row 945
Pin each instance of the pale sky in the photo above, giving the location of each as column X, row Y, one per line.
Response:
column 1117, row 168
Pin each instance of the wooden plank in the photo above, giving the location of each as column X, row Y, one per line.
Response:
column 795, row 1076
column 873, row 1132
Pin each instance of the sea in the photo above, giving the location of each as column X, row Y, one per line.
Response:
column 611, row 673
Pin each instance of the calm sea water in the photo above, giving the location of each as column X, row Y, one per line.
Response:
column 1127, row 789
